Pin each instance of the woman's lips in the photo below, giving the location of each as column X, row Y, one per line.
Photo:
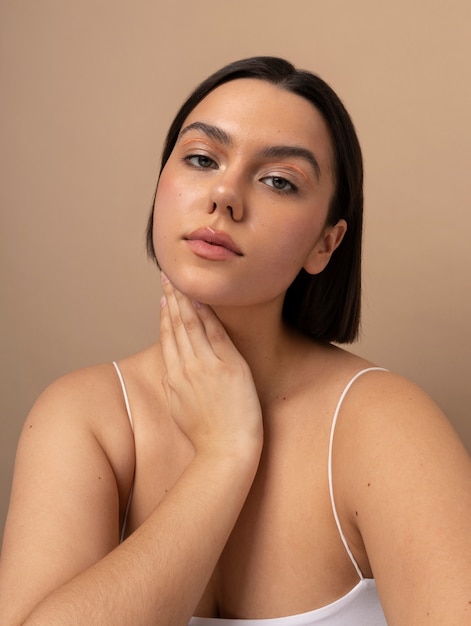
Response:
column 212, row 244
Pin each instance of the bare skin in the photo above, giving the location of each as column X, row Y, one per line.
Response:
column 230, row 513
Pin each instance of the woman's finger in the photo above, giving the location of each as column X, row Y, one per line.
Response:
column 181, row 317
column 170, row 352
column 188, row 329
column 218, row 339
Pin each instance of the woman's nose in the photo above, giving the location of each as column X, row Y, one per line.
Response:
column 226, row 197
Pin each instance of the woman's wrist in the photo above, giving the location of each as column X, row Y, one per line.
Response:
column 245, row 447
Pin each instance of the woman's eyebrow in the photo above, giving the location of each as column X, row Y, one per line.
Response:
column 213, row 132
column 285, row 152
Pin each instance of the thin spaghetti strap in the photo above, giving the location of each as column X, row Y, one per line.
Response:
column 128, row 409
column 125, row 394
column 331, row 443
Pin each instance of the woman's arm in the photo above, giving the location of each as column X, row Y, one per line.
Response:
column 62, row 534
column 406, row 486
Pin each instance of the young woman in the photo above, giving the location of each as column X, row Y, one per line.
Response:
column 244, row 470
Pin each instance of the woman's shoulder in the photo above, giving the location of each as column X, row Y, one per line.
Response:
column 87, row 394
column 97, row 388
column 90, row 402
column 376, row 404
column 389, row 428
column 373, row 397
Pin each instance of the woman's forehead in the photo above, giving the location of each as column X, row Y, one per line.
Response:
column 262, row 110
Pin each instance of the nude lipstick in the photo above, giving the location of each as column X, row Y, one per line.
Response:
column 212, row 244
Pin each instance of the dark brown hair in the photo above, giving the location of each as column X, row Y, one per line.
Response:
column 325, row 306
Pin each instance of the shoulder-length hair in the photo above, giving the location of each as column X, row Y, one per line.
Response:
column 325, row 306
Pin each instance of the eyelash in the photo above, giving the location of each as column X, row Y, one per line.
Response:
column 290, row 190
column 210, row 164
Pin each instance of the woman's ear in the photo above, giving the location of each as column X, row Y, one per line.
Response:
column 325, row 246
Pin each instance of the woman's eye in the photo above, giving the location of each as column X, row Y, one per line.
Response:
column 279, row 183
column 200, row 160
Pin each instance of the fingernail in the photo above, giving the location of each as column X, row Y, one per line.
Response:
column 163, row 301
column 196, row 304
column 163, row 278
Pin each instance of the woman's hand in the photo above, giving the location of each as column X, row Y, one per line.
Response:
column 209, row 386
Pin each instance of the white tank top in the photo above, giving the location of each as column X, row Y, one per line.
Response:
column 359, row 607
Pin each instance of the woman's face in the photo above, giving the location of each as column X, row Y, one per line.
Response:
column 242, row 202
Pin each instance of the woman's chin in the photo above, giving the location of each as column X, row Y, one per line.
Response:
column 202, row 289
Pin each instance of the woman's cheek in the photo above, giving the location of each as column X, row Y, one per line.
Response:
column 165, row 196
column 296, row 242
column 162, row 221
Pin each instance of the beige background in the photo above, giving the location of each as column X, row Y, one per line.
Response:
column 87, row 91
